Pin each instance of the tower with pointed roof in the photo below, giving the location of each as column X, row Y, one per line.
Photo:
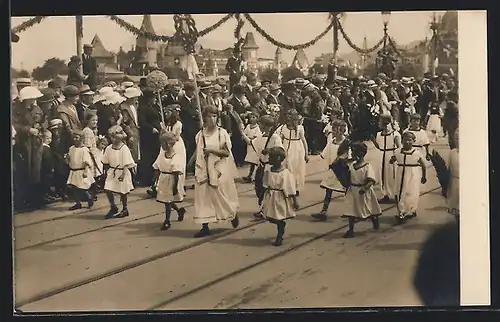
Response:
column 146, row 50
column 250, row 52
column 279, row 63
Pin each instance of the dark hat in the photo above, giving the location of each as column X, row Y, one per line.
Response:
column 274, row 87
column 288, row 86
column 70, row 91
column 189, row 86
column 318, row 81
column 251, row 76
column 48, row 95
column 88, row 46
column 221, row 81
column 205, row 85
column 85, row 90
column 238, row 89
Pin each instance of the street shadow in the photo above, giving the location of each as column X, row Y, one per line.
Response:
column 314, row 181
column 152, row 229
column 248, row 242
column 426, row 227
column 437, row 208
column 399, row 247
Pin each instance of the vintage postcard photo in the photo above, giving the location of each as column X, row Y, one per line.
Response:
column 242, row 161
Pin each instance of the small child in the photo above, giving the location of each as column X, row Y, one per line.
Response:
column 362, row 195
column 80, row 171
column 421, row 139
column 262, row 144
column 251, row 131
column 102, row 144
column 47, row 169
column 411, row 172
column 387, row 141
column 280, row 199
column 169, row 166
column 434, row 122
column 90, row 141
column 337, row 147
column 453, row 193
column 117, row 160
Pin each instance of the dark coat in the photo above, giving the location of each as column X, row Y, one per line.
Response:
column 90, row 68
column 189, row 117
column 81, row 110
column 237, row 105
column 131, row 127
column 107, row 116
column 48, row 165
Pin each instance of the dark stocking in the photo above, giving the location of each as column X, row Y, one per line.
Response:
column 124, row 199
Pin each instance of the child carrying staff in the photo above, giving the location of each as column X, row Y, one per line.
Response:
column 251, row 131
column 280, row 200
column 411, row 172
column 262, row 145
column 117, row 161
column 421, row 141
column 80, row 171
column 169, row 166
column 295, row 145
column 361, row 193
column 336, row 148
column 387, row 141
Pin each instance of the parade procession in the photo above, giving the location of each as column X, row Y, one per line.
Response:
column 222, row 177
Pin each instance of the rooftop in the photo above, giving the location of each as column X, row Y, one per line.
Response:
column 250, row 42
column 99, row 51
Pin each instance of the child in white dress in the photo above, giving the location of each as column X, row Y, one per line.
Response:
column 336, row 147
column 102, row 144
column 361, row 193
column 251, row 132
column 169, row 166
column 453, row 193
column 434, row 122
column 174, row 125
column 280, row 199
column 262, row 144
column 411, row 172
column 421, row 142
column 295, row 145
column 80, row 171
column 118, row 162
column 387, row 142
column 90, row 141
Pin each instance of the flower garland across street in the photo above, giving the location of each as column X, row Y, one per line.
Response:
column 28, row 24
column 264, row 34
column 353, row 45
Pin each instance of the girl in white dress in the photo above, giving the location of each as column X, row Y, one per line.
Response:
column 421, row 142
column 332, row 152
column 294, row 142
column 80, row 171
column 215, row 193
column 280, row 199
column 387, row 142
column 90, row 141
column 174, row 125
column 251, row 131
column 434, row 122
column 361, row 193
column 453, row 193
column 118, row 162
column 411, row 172
column 169, row 166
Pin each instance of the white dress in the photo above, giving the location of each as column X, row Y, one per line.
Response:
column 295, row 153
column 408, row 180
column 179, row 148
column 118, row 160
column 90, row 141
column 434, row 124
column 329, row 154
column 280, row 186
column 386, row 170
column 79, row 163
column 421, row 140
column 165, row 186
column 252, row 157
column 215, row 193
column 453, row 197
column 363, row 205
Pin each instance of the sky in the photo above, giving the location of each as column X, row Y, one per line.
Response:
column 56, row 35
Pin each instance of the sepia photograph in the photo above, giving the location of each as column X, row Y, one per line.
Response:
column 242, row 161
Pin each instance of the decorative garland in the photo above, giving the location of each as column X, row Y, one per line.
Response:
column 28, row 24
column 356, row 48
column 282, row 45
column 153, row 37
column 398, row 52
column 79, row 23
column 186, row 32
column 239, row 25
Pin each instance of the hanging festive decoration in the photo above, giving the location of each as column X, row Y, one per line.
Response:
column 79, row 23
column 239, row 25
column 277, row 43
column 185, row 32
column 28, row 24
column 215, row 25
column 356, row 48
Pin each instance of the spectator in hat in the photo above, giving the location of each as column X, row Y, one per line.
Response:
column 218, row 101
column 234, row 68
column 85, row 104
column 287, row 100
column 172, row 95
column 48, row 103
column 27, row 122
column 274, row 92
column 251, row 90
column 237, row 99
column 56, row 84
column 68, row 113
column 205, row 95
column 394, row 100
column 223, row 84
column 190, row 120
column 75, row 73
column 89, row 67
column 22, row 83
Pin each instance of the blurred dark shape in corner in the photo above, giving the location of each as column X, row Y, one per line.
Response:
column 437, row 277
column 14, row 37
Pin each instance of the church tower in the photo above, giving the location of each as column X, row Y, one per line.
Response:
column 250, row 52
column 278, row 59
column 364, row 58
column 146, row 49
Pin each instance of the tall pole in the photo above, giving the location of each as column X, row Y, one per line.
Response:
column 79, row 34
column 435, row 43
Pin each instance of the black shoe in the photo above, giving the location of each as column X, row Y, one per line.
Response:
column 202, row 233
column 348, row 234
column 235, row 222
column 297, row 193
column 320, row 216
column 111, row 213
column 384, row 200
column 278, row 241
column 94, row 198
column 124, row 213
column 181, row 213
column 376, row 223
column 247, row 179
column 259, row 215
column 90, row 203
column 76, row 206
column 165, row 226
column 400, row 219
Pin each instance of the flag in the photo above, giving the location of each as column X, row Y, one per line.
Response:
column 191, row 67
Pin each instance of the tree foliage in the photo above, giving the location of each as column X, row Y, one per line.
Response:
column 318, row 69
column 50, row 69
column 409, row 70
column 291, row 73
column 346, row 71
column 18, row 73
column 269, row 74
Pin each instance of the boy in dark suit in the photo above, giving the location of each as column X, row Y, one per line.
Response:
column 47, row 170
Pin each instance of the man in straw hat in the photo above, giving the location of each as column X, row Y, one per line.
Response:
column 205, row 88
column 48, row 103
column 68, row 113
column 89, row 66
column 84, row 105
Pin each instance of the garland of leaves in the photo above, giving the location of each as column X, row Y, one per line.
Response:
column 277, row 43
column 356, row 48
column 399, row 52
column 153, row 37
column 28, row 24
column 239, row 25
column 187, row 36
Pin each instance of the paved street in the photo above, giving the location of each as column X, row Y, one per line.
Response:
column 77, row 261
